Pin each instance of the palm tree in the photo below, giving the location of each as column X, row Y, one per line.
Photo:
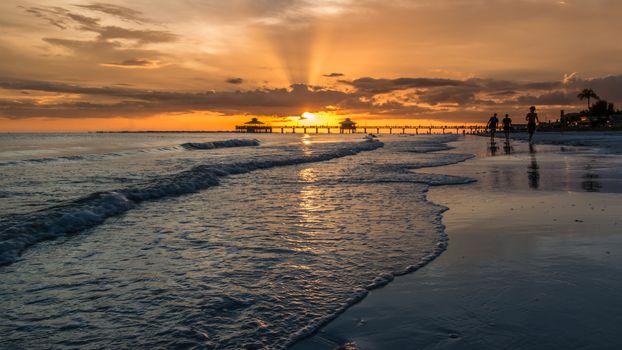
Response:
column 587, row 94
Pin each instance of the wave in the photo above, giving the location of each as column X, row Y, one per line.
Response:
column 19, row 232
column 87, row 157
column 440, row 246
column 442, row 240
column 221, row 144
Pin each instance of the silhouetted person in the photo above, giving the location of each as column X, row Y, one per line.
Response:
column 492, row 126
column 507, row 124
column 532, row 120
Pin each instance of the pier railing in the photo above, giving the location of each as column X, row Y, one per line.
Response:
column 391, row 129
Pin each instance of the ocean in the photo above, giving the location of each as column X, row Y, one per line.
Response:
column 220, row 240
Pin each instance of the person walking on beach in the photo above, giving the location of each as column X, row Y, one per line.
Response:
column 507, row 124
column 492, row 126
column 532, row 120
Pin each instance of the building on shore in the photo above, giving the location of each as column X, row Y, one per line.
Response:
column 347, row 126
column 616, row 121
column 586, row 120
column 254, row 126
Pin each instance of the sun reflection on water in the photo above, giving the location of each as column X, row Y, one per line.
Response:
column 306, row 145
column 308, row 174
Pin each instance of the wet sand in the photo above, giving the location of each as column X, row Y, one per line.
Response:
column 534, row 260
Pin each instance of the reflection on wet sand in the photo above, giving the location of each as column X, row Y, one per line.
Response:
column 507, row 147
column 533, row 172
column 492, row 148
column 590, row 181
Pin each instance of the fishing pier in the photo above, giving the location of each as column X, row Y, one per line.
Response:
column 350, row 127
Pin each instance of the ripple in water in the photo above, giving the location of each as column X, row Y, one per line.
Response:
column 257, row 262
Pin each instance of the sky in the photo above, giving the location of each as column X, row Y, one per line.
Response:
column 73, row 65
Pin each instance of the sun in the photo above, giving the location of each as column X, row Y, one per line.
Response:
column 308, row 116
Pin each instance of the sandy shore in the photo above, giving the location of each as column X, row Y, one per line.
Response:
column 534, row 260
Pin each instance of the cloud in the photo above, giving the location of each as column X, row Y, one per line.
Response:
column 333, row 75
column 106, row 43
column 234, row 81
column 54, row 16
column 399, row 98
column 373, row 85
column 132, row 102
column 459, row 95
column 85, row 22
column 134, row 63
column 569, row 77
column 141, row 36
column 553, row 98
column 121, row 12
column 608, row 88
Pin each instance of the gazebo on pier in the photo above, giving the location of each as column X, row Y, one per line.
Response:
column 254, row 125
column 347, row 126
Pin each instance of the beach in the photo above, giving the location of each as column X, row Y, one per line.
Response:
column 307, row 241
column 533, row 260
column 310, row 174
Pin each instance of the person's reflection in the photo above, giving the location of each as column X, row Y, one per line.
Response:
column 590, row 181
column 507, row 147
column 493, row 148
column 533, row 172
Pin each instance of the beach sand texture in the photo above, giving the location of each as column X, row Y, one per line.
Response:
column 533, row 262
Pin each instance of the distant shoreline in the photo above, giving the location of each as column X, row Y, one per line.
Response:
column 582, row 130
column 159, row 132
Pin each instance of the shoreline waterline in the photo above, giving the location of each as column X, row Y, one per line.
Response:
column 266, row 263
column 467, row 292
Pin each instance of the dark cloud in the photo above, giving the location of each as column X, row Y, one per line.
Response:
column 235, row 81
column 85, row 22
column 373, row 85
column 333, row 75
column 428, row 97
column 140, row 36
column 63, row 18
column 480, row 91
column 549, row 98
column 124, row 13
column 503, row 93
column 131, row 102
column 54, row 15
column 609, row 88
column 394, row 107
column 112, row 44
column 133, row 63
column 460, row 95
column 89, row 47
column 542, row 85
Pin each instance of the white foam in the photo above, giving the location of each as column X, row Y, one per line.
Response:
column 221, row 144
column 22, row 231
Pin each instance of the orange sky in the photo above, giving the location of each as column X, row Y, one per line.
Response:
column 73, row 65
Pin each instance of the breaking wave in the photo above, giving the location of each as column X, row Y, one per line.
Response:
column 221, row 144
column 18, row 232
column 93, row 157
column 87, row 157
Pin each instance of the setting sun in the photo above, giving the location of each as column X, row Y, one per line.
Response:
column 308, row 116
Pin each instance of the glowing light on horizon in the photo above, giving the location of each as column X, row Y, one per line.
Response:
column 308, row 116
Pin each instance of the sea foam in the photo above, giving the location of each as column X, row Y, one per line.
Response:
column 221, row 144
column 18, row 232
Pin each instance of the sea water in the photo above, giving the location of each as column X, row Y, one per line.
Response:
column 206, row 240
